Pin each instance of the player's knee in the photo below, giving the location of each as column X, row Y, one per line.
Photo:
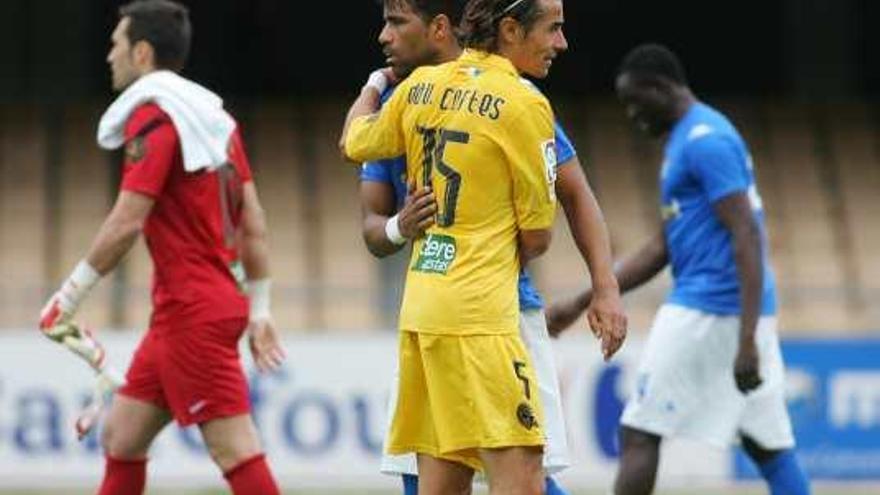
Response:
column 119, row 444
column 522, row 481
column 108, row 436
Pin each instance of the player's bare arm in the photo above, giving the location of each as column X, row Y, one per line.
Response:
column 385, row 232
column 563, row 313
column 117, row 234
column 119, row 231
column 533, row 243
column 254, row 233
column 114, row 239
column 263, row 337
column 605, row 312
column 632, row 272
column 367, row 102
column 735, row 213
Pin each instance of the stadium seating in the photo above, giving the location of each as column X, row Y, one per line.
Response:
column 22, row 214
column 817, row 167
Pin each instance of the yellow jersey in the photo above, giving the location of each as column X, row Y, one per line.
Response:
column 483, row 140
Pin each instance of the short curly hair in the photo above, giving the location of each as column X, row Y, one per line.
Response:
column 429, row 9
column 652, row 60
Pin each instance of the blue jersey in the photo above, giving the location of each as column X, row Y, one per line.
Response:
column 706, row 160
column 393, row 171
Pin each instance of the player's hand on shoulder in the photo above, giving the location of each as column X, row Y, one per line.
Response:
column 381, row 79
column 746, row 368
column 265, row 343
column 388, row 72
column 417, row 213
column 608, row 320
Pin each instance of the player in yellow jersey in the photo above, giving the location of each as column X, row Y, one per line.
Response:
column 483, row 141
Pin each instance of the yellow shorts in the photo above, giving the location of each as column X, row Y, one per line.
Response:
column 460, row 394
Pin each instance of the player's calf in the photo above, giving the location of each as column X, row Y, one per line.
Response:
column 410, row 484
column 780, row 468
column 234, row 446
column 551, row 487
column 124, row 477
column 231, row 441
column 639, row 457
column 252, row 477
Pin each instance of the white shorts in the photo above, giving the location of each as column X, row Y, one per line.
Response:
column 685, row 385
column 533, row 329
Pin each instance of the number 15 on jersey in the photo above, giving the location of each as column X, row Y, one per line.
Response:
column 434, row 143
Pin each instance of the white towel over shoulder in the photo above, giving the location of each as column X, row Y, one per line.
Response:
column 203, row 126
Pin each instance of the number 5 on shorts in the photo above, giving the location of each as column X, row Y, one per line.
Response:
column 517, row 369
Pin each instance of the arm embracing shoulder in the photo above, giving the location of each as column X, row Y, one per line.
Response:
column 371, row 135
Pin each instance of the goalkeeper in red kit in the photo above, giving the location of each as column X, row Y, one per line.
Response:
column 187, row 186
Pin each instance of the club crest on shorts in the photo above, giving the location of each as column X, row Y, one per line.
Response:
column 526, row 416
column 135, row 149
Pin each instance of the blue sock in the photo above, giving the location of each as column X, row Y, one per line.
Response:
column 410, row 484
column 785, row 475
column 553, row 488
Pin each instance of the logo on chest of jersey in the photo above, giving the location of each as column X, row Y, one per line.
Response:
column 670, row 211
column 436, row 254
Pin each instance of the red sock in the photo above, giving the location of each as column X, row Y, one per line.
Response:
column 124, row 477
column 252, row 477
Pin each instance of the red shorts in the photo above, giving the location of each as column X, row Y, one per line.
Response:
column 194, row 372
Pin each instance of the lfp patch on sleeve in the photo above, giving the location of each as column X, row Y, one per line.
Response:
column 548, row 151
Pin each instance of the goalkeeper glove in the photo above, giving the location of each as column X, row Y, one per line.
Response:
column 65, row 302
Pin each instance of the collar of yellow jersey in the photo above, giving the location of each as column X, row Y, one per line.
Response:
column 486, row 59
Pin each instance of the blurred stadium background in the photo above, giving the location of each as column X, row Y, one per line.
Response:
column 800, row 79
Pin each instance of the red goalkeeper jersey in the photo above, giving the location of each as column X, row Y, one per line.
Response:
column 191, row 230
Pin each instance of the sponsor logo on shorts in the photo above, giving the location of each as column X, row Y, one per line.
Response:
column 526, row 416
column 198, row 406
